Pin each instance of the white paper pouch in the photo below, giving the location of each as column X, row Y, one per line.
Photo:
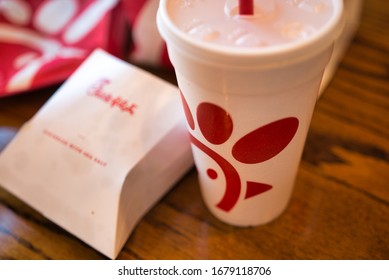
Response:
column 101, row 152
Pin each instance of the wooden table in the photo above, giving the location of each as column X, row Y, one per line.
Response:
column 340, row 204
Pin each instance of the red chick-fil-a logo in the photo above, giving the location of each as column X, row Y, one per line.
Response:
column 260, row 145
column 97, row 90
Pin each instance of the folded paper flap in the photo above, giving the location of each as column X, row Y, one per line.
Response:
column 104, row 88
column 71, row 160
column 153, row 169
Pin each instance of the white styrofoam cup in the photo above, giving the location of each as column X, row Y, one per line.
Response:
column 248, row 113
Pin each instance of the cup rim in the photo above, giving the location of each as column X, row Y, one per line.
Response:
column 287, row 53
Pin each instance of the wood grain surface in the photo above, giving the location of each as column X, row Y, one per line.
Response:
column 340, row 204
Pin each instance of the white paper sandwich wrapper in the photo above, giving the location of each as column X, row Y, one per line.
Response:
column 101, row 152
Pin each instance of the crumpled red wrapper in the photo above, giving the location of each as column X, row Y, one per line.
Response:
column 43, row 41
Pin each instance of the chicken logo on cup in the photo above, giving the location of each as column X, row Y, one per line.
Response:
column 260, row 145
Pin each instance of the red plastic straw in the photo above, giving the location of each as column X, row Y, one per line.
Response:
column 246, row 7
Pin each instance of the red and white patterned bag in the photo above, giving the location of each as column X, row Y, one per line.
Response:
column 43, row 41
column 147, row 45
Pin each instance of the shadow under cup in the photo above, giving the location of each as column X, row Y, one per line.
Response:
column 248, row 113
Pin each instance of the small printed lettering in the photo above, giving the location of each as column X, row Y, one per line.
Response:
column 56, row 137
column 98, row 161
column 74, row 148
column 87, row 155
